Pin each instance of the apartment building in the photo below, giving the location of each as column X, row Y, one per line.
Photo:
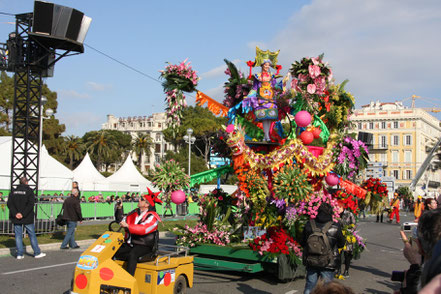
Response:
column 401, row 138
column 152, row 125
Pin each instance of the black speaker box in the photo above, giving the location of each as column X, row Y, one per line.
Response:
column 59, row 27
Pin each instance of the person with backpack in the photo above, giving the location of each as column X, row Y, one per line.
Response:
column 321, row 239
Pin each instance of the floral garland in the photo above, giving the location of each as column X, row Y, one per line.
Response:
column 200, row 234
column 316, row 166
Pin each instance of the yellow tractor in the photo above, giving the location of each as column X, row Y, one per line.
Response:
column 162, row 272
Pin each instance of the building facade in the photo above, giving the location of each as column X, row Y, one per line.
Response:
column 401, row 140
column 151, row 125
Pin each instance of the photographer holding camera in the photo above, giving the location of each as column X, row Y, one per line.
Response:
column 419, row 251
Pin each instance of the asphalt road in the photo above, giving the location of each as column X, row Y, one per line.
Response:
column 370, row 274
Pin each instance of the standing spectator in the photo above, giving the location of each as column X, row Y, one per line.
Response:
column 419, row 207
column 395, row 206
column 72, row 214
column 21, row 213
column 321, row 266
column 76, row 186
column 430, row 204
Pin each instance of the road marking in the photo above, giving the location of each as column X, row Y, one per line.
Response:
column 291, row 292
column 38, row 268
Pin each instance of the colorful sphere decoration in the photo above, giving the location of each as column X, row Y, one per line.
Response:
column 332, row 179
column 303, row 118
column 307, row 137
column 178, row 197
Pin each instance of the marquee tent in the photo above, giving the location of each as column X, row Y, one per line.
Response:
column 128, row 179
column 53, row 174
column 88, row 177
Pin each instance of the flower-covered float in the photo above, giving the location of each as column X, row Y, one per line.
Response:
column 290, row 147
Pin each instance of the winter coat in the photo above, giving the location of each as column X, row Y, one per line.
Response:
column 335, row 236
column 21, row 200
column 72, row 209
column 141, row 231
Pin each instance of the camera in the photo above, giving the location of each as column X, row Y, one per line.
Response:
column 397, row 276
column 408, row 226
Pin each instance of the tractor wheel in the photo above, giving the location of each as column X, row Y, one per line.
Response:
column 180, row 285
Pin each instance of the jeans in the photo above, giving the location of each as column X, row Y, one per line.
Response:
column 70, row 235
column 30, row 229
column 312, row 276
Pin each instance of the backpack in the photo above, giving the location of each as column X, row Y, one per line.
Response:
column 318, row 246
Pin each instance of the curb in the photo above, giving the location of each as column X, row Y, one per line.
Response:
column 84, row 244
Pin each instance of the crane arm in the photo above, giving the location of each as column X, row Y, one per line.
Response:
column 424, row 166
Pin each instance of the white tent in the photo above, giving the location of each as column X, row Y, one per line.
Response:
column 128, row 179
column 53, row 174
column 88, row 177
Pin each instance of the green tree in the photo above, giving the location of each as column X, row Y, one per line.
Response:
column 74, row 148
column 198, row 164
column 6, row 103
column 141, row 146
column 107, row 147
column 205, row 126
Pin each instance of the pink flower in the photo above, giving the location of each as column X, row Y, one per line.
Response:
column 315, row 60
column 311, row 88
column 303, row 78
column 314, row 71
column 330, row 75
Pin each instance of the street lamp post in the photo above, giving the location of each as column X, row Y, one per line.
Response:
column 190, row 140
column 48, row 113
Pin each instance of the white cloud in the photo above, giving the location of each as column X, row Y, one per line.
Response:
column 98, row 87
column 218, row 71
column 387, row 49
column 216, row 93
column 72, row 94
column 78, row 123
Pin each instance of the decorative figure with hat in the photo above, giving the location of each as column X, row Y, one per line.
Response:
column 141, row 226
column 261, row 98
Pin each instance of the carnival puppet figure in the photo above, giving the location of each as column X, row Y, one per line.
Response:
column 262, row 97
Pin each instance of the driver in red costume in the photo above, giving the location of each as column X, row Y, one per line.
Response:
column 140, row 225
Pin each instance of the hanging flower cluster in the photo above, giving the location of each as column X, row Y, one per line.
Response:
column 277, row 240
column 177, row 78
column 169, row 176
column 236, row 87
column 351, row 156
column 181, row 77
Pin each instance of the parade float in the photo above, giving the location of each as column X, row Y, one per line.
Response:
column 290, row 147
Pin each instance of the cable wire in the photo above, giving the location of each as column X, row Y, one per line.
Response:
column 124, row 64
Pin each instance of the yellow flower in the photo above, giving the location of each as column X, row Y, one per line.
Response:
column 344, row 248
column 353, row 239
column 348, row 238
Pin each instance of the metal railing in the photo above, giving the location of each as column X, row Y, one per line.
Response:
column 46, row 213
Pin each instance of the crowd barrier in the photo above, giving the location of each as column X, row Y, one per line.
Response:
column 46, row 212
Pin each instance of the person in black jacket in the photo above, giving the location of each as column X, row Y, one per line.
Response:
column 21, row 213
column 72, row 214
column 336, row 241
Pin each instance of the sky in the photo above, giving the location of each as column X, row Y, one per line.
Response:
column 388, row 50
